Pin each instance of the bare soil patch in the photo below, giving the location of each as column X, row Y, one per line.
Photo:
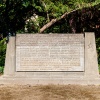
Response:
column 49, row 92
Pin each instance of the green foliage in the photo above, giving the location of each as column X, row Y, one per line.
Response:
column 55, row 8
column 2, row 51
column 14, row 13
column 1, row 69
column 98, row 48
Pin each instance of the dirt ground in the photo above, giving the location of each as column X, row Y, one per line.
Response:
column 49, row 92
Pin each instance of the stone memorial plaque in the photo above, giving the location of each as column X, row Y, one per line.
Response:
column 50, row 52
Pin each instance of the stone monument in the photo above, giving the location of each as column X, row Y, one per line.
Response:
column 52, row 58
column 50, row 52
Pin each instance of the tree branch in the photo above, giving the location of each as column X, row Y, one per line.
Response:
column 49, row 24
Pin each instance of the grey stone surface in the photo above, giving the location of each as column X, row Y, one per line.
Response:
column 91, row 63
column 89, row 76
column 10, row 57
column 50, row 52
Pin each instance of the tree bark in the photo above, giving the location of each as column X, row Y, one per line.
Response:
column 49, row 24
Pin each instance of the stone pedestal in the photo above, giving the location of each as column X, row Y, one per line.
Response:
column 86, row 74
column 10, row 61
column 91, row 63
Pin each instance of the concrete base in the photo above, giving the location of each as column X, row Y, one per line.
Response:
column 89, row 76
column 45, row 81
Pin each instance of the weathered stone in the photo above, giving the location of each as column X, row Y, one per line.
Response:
column 50, row 52
column 66, row 52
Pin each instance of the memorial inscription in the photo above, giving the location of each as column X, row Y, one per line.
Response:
column 50, row 52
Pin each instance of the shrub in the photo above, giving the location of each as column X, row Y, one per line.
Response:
column 2, row 54
column 1, row 69
column 98, row 49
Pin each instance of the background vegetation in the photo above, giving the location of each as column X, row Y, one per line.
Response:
column 46, row 16
column 2, row 54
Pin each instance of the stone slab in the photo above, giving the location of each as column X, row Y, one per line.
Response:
column 50, row 52
column 91, row 61
column 89, row 76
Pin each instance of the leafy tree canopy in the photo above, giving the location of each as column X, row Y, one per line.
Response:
column 48, row 15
